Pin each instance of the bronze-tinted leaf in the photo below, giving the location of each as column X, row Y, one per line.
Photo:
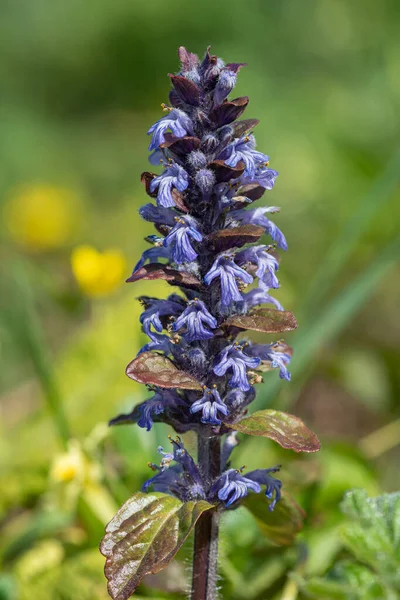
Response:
column 159, row 271
column 181, row 146
column 224, row 173
column 229, row 111
column 156, row 369
column 282, row 524
column 179, row 199
column 144, row 536
column 146, row 178
column 253, row 191
column 235, row 237
column 267, row 320
column 244, row 127
column 287, row 430
column 186, row 89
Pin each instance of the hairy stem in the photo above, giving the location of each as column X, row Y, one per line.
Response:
column 205, row 554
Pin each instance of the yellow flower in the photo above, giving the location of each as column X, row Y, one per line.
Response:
column 41, row 217
column 70, row 465
column 98, row 273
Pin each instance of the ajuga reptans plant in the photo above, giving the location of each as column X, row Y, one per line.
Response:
column 222, row 256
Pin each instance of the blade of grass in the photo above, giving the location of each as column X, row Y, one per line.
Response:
column 348, row 238
column 22, row 320
column 334, row 318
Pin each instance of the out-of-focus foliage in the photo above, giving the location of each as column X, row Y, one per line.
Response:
column 81, row 82
column 372, row 538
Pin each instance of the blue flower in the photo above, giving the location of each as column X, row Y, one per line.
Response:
column 225, row 84
column 181, row 455
column 179, row 239
column 158, row 214
column 233, row 486
column 174, row 176
column 176, row 120
column 154, row 406
column 210, row 403
column 279, row 360
column 166, row 479
column 152, row 255
column 159, row 342
column 155, row 309
column 192, row 320
column 233, row 357
column 162, row 399
column 259, row 296
column 263, row 175
column 227, row 270
column 276, row 356
column 257, row 216
column 244, row 150
column 272, row 485
column 266, row 263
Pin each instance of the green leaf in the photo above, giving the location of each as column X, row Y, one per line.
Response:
column 373, row 533
column 155, row 369
column 144, row 536
column 266, row 320
column 324, row 589
column 287, row 430
column 282, row 524
column 348, row 581
column 362, row 580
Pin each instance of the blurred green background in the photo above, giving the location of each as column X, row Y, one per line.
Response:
column 80, row 83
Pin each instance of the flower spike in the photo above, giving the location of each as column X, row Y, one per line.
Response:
column 209, row 243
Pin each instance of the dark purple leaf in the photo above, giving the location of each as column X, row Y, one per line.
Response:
column 127, row 418
column 235, row 67
column 146, row 178
column 244, row 127
column 151, row 368
column 175, row 419
column 267, row 320
column 229, row 111
column 235, row 237
column 282, row 524
column 209, row 59
column 287, row 430
column 189, row 61
column 159, row 271
column 175, row 100
column 224, row 173
column 181, row 146
column 144, row 536
column 186, row 89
